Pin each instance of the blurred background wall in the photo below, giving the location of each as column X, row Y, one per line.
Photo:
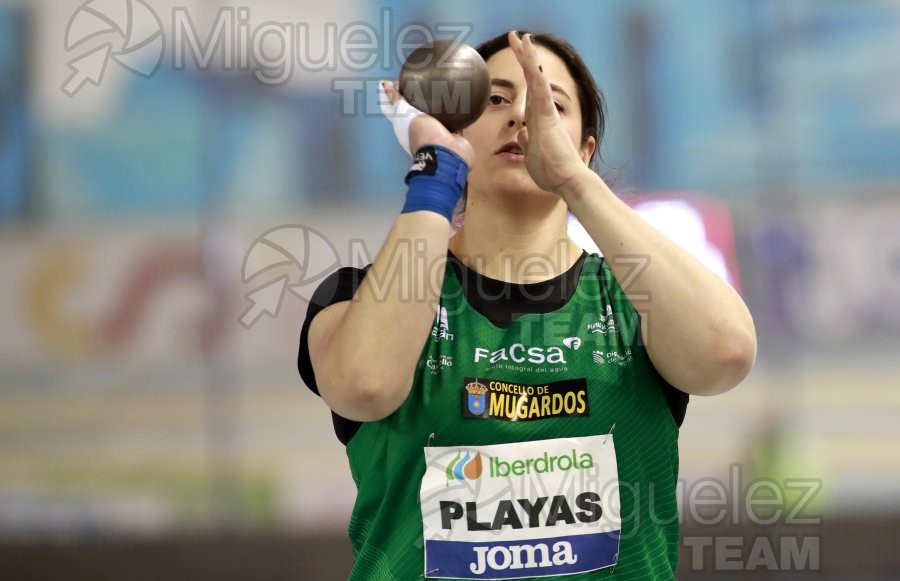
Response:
column 163, row 223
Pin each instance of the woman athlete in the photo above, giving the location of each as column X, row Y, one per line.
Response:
column 515, row 412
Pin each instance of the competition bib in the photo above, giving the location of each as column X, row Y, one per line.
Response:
column 531, row 509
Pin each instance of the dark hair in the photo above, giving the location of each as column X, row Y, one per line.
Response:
column 591, row 99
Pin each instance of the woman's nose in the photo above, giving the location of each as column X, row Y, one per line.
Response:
column 518, row 113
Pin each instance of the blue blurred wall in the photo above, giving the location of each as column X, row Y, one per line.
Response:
column 741, row 99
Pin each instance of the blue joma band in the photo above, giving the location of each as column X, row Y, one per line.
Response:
column 436, row 180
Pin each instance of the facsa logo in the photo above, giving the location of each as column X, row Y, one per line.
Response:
column 520, row 354
column 573, row 343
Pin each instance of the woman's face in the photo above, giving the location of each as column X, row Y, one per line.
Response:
column 496, row 171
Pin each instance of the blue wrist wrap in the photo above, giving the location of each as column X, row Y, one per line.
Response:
column 436, row 180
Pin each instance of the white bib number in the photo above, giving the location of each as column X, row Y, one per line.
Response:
column 530, row 509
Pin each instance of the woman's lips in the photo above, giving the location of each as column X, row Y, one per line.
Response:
column 512, row 157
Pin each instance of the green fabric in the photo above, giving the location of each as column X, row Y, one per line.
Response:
column 624, row 394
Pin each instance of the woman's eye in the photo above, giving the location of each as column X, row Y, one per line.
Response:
column 496, row 99
column 559, row 106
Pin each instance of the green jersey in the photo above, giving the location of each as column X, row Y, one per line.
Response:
column 542, row 449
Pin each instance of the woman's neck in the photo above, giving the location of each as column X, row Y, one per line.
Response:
column 524, row 244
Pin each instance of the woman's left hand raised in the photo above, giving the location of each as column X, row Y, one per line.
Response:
column 551, row 158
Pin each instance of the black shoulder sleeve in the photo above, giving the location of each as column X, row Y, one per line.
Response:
column 675, row 398
column 678, row 401
column 339, row 286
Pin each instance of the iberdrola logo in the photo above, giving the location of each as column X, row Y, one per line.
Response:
column 466, row 468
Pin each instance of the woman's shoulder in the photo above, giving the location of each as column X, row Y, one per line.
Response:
column 339, row 285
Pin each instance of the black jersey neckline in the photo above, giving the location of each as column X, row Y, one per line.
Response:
column 502, row 302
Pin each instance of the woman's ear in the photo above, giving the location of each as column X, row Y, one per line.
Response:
column 587, row 150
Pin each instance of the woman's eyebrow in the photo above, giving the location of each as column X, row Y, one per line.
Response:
column 507, row 84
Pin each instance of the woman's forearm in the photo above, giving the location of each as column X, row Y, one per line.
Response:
column 373, row 348
column 697, row 330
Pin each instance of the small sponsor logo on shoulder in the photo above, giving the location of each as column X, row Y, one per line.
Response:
column 622, row 359
column 441, row 329
column 436, row 364
column 605, row 324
